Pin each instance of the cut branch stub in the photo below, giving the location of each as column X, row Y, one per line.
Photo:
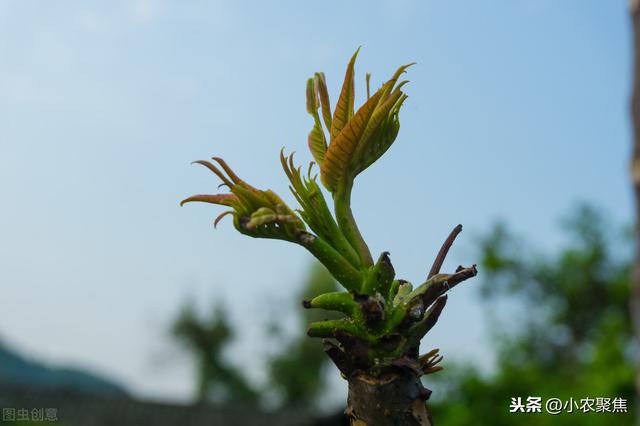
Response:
column 444, row 250
column 439, row 284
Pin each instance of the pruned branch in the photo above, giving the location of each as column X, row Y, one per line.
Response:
column 430, row 319
column 439, row 284
column 444, row 250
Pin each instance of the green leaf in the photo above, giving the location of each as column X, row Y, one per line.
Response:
column 393, row 290
column 388, row 86
column 341, row 149
column 403, row 292
column 312, row 99
column 221, row 199
column 323, row 94
column 317, row 143
column 255, row 212
column 265, row 215
column 344, row 107
column 365, row 136
column 368, row 79
column 316, row 140
column 315, row 211
column 380, row 277
column 380, row 134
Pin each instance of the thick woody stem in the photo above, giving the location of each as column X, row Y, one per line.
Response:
column 392, row 399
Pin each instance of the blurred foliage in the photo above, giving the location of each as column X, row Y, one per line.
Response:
column 298, row 371
column 561, row 329
column 205, row 339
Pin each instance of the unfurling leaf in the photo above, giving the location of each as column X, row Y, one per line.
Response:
column 315, row 211
column 222, row 199
column 380, row 277
column 368, row 78
column 342, row 148
column 356, row 140
column 255, row 213
column 323, row 95
column 381, row 135
column 344, row 107
column 316, row 140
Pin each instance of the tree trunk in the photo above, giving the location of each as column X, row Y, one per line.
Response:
column 392, row 399
column 635, row 177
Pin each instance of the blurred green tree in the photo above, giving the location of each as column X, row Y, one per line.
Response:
column 563, row 329
column 205, row 339
column 298, row 371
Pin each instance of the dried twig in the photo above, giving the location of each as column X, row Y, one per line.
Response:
column 437, row 263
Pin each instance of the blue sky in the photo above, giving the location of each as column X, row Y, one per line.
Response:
column 517, row 110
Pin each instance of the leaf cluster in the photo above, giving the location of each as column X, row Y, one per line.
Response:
column 384, row 318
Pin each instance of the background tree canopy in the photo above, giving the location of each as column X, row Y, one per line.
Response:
column 567, row 332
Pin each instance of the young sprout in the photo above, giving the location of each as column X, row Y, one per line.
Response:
column 383, row 318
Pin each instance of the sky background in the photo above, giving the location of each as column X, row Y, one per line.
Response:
column 517, row 110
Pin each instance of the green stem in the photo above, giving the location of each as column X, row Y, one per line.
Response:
column 347, row 223
column 338, row 266
column 322, row 218
column 329, row 328
column 341, row 243
column 335, row 301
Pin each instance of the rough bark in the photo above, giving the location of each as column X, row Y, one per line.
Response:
column 392, row 399
column 635, row 177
